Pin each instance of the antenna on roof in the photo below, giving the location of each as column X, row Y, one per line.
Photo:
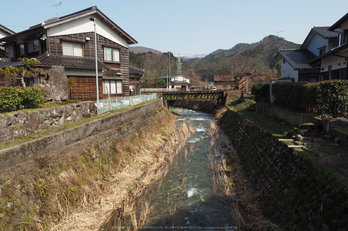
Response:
column 56, row 5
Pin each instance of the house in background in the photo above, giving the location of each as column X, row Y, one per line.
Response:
column 68, row 41
column 224, row 82
column 177, row 82
column 296, row 65
column 135, row 75
column 333, row 64
column 227, row 82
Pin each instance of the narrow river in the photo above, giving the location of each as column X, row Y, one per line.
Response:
column 189, row 197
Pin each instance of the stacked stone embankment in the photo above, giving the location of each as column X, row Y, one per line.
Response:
column 20, row 124
column 296, row 192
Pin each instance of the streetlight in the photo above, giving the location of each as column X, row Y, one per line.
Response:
column 96, row 60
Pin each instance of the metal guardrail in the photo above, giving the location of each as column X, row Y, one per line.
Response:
column 111, row 104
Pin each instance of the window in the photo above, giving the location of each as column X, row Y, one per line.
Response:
column 284, row 61
column 345, row 37
column 72, row 49
column 111, row 54
column 33, row 46
column 10, row 52
column 21, row 49
column 322, row 51
column 112, row 87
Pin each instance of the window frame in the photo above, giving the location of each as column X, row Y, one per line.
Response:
column 10, row 51
column 73, row 48
column 33, row 42
column 113, row 49
column 21, row 49
column 114, row 87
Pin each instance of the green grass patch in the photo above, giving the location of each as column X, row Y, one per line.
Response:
column 274, row 126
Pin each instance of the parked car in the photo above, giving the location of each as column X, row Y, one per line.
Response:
column 213, row 88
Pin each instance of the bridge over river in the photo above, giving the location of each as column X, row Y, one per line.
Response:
column 190, row 95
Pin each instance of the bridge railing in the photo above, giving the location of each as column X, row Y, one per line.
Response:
column 158, row 89
column 111, row 104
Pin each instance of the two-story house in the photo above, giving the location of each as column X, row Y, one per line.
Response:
column 68, row 41
column 177, row 81
column 333, row 64
column 296, row 64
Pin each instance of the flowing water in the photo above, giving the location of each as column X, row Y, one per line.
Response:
column 186, row 198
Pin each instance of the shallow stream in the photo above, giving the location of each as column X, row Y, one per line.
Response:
column 189, row 196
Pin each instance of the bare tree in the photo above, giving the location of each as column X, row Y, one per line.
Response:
column 242, row 66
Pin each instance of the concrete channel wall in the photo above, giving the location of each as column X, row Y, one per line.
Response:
column 27, row 156
column 297, row 192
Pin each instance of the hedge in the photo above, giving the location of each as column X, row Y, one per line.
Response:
column 11, row 98
column 327, row 97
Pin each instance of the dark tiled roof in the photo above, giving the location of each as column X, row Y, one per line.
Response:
column 298, row 59
column 324, row 32
column 135, row 70
column 69, row 62
column 339, row 22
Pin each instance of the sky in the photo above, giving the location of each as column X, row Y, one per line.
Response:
column 190, row 27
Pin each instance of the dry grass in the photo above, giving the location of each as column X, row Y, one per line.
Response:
column 83, row 189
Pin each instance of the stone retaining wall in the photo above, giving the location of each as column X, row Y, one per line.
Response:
column 20, row 124
column 296, row 192
column 25, row 157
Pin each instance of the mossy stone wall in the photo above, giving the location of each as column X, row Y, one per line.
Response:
column 296, row 193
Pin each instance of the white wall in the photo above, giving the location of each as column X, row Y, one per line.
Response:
column 288, row 71
column 3, row 34
column 180, row 79
column 344, row 25
column 84, row 25
column 334, row 61
column 317, row 42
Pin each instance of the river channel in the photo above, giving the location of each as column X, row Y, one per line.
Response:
column 189, row 196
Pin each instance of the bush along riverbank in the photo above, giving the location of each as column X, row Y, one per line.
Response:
column 80, row 190
column 294, row 191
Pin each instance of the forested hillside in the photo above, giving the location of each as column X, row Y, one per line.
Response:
column 263, row 52
column 260, row 55
column 157, row 65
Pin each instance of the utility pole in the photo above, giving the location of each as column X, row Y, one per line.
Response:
column 96, row 60
column 179, row 66
column 169, row 70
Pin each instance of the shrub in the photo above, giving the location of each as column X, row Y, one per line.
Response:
column 32, row 97
column 9, row 98
column 260, row 90
column 12, row 97
column 327, row 97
